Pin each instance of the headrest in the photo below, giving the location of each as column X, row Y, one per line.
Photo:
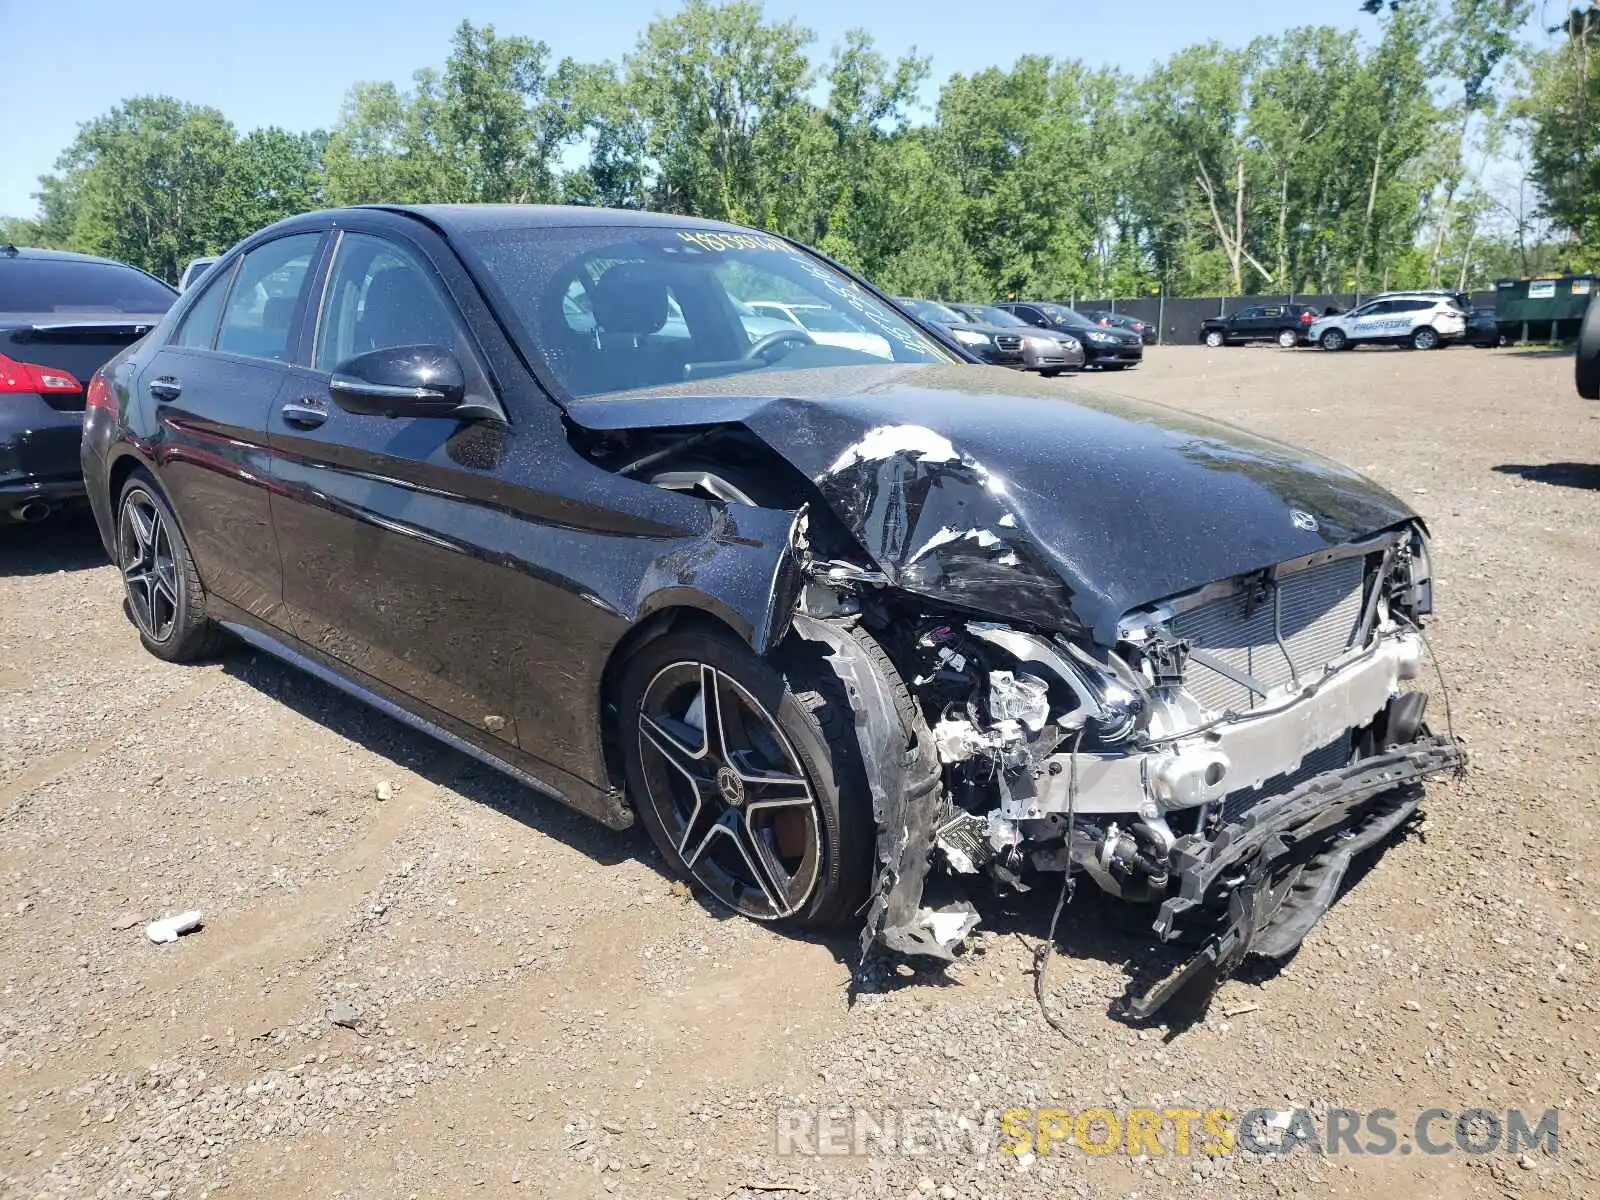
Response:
column 402, row 310
column 630, row 297
column 277, row 312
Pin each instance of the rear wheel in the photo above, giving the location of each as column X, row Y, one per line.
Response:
column 747, row 776
column 1215, row 338
column 163, row 589
column 1288, row 339
column 1425, row 338
column 1333, row 339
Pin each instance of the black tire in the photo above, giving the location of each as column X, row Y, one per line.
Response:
column 161, row 587
column 1214, row 338
column 1426, row 337
column 802, row 698
column 1051, row 373
column 1114, row 366
column 1333, row 339
column 1288, row 339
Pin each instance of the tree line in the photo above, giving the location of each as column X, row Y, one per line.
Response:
column 1432, row 147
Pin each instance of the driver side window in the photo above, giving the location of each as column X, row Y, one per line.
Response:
column 380, row 297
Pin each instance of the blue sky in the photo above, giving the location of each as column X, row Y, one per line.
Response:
column 290, row 62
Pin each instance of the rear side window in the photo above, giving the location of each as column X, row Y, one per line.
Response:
column 198, row 330
column 54, row 285
column 266, row 291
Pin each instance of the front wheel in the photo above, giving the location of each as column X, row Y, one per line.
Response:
column 1215, row 338
column 1334, row 339
column 747, row 777
column 1288, row 339
column 164, row 594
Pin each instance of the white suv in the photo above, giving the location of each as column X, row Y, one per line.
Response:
column 1423, row 320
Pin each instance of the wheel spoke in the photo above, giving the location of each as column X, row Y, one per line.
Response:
column 711, row 700
column 689, row 760
column 777, row 791
column 143, row 527
column 735, row 828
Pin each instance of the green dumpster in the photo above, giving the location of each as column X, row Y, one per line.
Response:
column 1550, row 308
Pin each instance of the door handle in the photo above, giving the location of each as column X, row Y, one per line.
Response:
column 303, row 414
column 165, row 388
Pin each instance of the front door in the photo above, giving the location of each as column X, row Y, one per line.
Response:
column 380, row 521
column 1371, row 320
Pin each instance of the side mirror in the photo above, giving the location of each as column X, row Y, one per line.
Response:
column 403, row 381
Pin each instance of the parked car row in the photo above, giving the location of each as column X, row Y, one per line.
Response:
column 1423, row 320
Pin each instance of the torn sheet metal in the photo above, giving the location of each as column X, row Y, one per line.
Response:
column 1282, row 895
column 907, row 801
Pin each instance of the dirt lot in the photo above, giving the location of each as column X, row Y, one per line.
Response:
column 538, row 1011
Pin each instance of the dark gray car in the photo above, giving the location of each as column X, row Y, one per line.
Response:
column 61, row 316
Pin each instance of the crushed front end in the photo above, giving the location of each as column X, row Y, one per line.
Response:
column 1224, row 759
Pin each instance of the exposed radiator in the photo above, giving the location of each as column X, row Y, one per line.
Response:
column 1317, row 611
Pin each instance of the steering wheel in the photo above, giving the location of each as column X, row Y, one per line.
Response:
column 778, row 337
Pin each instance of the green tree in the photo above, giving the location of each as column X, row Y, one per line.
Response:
column 145, row 183
column 1562, row 108
column 720, row 95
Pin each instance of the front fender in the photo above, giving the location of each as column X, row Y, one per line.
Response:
column 745, row 571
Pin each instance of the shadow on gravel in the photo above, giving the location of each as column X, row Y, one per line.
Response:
column 432, row 760
column 1542, row 352
column 1585, row 476
column 68, row 542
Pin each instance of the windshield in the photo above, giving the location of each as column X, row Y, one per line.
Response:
column 618, row 308
column 997, row 316
column 932, row 310
column 45, row 285
column 1060, row 314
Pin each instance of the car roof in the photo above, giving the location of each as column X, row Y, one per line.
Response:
column 480, row 217
column 10, row 252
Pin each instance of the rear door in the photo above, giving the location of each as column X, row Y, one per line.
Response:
column 380, row 522
column 212, row 386
column 1273, row 318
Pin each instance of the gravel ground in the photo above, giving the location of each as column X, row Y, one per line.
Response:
column 415, row 979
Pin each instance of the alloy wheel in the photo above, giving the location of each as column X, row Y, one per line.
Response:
column 1287, row 339
column 1214, row 340
column 1333, row 340
column 729, row 791
column 1425, row 338
column 149, row 569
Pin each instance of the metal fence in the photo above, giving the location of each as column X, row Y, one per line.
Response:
column 1178, row 318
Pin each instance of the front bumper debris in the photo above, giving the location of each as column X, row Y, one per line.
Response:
column 1269, row 876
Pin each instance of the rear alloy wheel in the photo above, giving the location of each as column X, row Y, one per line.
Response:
column 1288, row 339
column 747, row 778
column 1334, row 339
column 1214, row 338
column 1425, row 338
column 163, row 588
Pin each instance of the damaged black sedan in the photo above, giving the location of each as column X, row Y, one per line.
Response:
column 825, row 615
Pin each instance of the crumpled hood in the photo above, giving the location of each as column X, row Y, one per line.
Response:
column 1019, row 499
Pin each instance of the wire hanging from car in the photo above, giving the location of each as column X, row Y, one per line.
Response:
column 1043, row 955
column 1438, row 672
